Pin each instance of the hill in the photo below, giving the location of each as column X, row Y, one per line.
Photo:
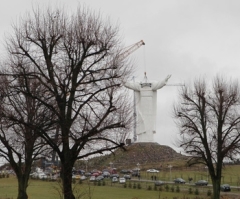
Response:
column 145, row 154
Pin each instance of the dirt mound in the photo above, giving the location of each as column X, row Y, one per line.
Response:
column 145, row 154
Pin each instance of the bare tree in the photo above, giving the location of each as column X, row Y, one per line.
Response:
column 76, row 59
column 19, row 137
column 209, row 119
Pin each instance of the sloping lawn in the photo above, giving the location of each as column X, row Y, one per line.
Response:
column 52, row 190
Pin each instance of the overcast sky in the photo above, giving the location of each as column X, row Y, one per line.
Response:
column 184, row 38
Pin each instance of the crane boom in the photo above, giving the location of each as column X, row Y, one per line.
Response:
column 131, row 49
column 175, row 84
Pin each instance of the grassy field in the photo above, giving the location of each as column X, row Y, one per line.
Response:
column 42, row 189
column 231, row 174
column 52, row 190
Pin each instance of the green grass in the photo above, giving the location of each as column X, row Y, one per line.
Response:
column 37, row 189
column 230, row 175
column 42, row 189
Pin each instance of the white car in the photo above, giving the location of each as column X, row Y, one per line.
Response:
column 114, row 179
column 92, row 178
column 122, row 180
column 42, row 176
column 83, row 178
column 152, row 171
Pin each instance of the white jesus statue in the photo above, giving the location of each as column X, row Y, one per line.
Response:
column 146, row 107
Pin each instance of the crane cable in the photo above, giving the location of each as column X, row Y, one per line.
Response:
column 144, row 66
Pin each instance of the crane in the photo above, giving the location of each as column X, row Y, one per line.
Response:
column 131, row 49
column 127, row 51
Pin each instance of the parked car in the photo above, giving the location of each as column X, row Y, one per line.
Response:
column 113, row 170
column 54, row 177
column 83, row 177
column 82, row 171
column 152, row 171
column 92, row 178
column 114, row 179
column 105, row 170
column 42, row 176
column 34, row 175
column 126, row 171
column 76, row 177
column 179, row 180
column 99, row 178
column 127, row 177
column 114, row 175
column 201, row 183
column 159, row 183
column 96, row 171
column 106, row 174
column 95, row 174
column 225, row 187
column 88, row 174
column 122, row 180
column 135, row 173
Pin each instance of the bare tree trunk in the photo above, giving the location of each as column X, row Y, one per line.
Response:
column 67, row 180
column 216, row 188
column 22, row 187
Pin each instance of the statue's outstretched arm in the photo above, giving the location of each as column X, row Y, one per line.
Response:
column 132, row 85
column 160, row 84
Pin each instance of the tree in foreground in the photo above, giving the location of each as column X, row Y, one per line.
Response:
column 20, row 143
column 208, row 117
column 76, row 60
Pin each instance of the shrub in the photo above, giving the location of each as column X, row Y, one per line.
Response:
column 160, row 188
column 99, row 183
column 130, row 185
column 149, row 187
column 178, row 189
column 167, row 187
column 139, row 186
column 172, row 188
column 196, row 192
column 134, row 186
column 209, row 193
column 103, row 183
column 125, row 185
column 190, row 190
